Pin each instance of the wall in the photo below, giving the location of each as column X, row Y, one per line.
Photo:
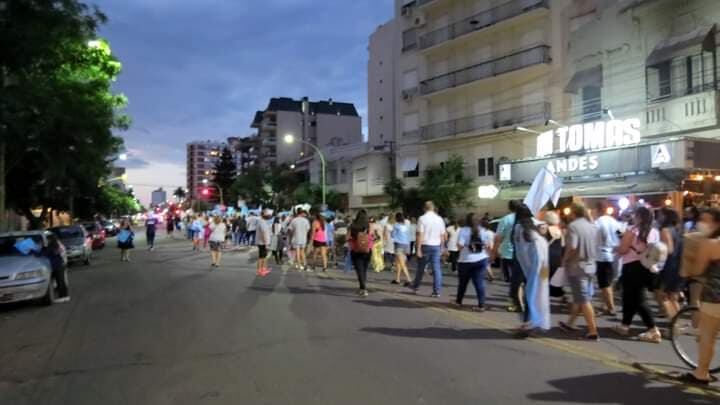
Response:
column 381, row 83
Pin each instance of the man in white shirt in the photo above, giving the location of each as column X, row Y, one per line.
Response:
column 610, row 231
column 430, row 237
column 299, row 228
column 251, row 228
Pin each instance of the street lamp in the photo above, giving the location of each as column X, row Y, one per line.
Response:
column 289, row 139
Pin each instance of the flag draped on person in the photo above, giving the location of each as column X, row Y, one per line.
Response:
column 546, row 187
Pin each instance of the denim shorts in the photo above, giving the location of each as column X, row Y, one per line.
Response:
column 582, row 288
column 402, row 249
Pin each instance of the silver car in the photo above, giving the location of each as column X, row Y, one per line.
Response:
column 25, row 276
column 77, row 242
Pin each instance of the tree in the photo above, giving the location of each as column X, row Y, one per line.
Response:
column 408, row 200
column 312, row 194
column 179, row 193
column 447, row 185
column 56, row 106
column 225, row 173
column 251, row 187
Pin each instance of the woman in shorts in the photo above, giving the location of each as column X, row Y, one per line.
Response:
column 401, row 237
column 218, row 230
column 319, row 240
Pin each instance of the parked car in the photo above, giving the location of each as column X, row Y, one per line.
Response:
column 96, row 232
column 78, row 242
column 25, row 276
column 110, row 228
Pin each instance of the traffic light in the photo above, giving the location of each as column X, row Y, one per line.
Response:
column 205, row 191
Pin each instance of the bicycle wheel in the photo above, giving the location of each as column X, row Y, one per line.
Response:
column 684, row 334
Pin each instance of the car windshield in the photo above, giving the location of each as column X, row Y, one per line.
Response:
column 69, row 233
column 8, row 244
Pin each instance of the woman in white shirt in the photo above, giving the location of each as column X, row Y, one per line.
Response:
column 217, row 238
column 452, row 244
column 473, row 243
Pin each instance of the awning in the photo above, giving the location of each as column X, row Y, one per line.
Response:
column 409, row 164
column 583, row 78
column 643, row 184
column 667, row 48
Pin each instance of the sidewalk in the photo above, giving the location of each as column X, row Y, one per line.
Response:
column 611, row 349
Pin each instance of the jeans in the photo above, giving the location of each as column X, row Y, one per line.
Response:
column 250, row 238
column 430, row 254
column 517, row 279
column 453, row 258
column 475, row 272
column 361, row 261
column 506, row 265
column 150, row 239
column 237, row 237
column 636, row 278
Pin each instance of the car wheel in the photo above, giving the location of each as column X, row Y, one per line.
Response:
column 49, row 297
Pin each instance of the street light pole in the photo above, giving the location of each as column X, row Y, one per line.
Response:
column 290, row 139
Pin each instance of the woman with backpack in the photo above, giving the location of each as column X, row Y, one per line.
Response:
column 361, row 244
column 125, row 241
column 636, row 278
column 474, row 243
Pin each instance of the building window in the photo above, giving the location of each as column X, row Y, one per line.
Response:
column 409, row 39
column 591, row 103
column 486, row 167
column 413, row 173
column 664, row 79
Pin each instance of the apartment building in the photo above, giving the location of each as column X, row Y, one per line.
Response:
column 201, row 159
column 468, row 75
column 642, row 123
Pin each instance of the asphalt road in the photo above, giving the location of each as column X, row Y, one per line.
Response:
column 164, row 329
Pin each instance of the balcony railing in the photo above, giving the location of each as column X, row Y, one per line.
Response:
column 526, row 114
column 421, row 3
column 691, row 112
column 481, row 20
column 518, row 60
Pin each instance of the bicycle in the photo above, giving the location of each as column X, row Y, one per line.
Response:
column 684, row 335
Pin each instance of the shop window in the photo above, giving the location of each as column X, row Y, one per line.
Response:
column 591, row 103
column 664, row 79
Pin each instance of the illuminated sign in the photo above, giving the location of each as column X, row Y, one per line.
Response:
column 590, row 136
column 660, row 155
column 583, row 138
column 488, row 192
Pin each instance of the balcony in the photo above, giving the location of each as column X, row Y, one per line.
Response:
column 481, row 20
column 691, row 112
column 510, row 117
column 516, row 61
column 421, row 3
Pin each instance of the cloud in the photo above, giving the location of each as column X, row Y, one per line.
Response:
column 199, row 69
column 134, row 163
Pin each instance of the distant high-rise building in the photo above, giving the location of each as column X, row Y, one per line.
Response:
column 201, row 159
column 158, row 197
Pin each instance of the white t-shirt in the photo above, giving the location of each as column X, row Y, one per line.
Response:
column 452, row 232
column 609, row 238
column 463, row 237
column 218, row 232
column 251, row 224
column 299, row 226
column 412, row 230
column 432, row 228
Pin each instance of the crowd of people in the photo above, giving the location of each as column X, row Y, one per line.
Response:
column 542, row 256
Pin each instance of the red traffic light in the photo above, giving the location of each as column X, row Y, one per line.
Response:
column 205, row 191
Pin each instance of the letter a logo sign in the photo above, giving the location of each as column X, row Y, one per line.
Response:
column 660, row 155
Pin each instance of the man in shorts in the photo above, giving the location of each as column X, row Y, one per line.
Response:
column 299, row 229
column 579, row 262
column 262, row 238
column 609, row 230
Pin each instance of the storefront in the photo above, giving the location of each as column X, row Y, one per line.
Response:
column 611, row 161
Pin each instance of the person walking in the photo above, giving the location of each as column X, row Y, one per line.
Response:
column 609, row 230
column 580, row 263
column 670, row 283
column 400, row 235
column 708, row 267
column 218, row 231
column 276, row 240
column 198, row 229
column 361, row 244
column 263, row 239
column 532, row 257
column 169, row 225
column 319, row 240
column 636, row 278
column 252, row 222
column 430, row 237
column 55, row 253
column 556, row 249
column 474, row 244
column 452, row 243
column 376, row 257
column 150, row 229
column 503, row 247
column 299, row 228
column 412, row 229
column 330, row 237
column 206, row 231
column 388, row 243
column 125, row 241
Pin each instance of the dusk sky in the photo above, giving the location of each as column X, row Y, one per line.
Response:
column 199, row 69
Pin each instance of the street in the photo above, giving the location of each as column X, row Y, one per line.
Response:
column 164, row 329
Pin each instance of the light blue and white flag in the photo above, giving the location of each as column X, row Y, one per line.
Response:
column 546, row 187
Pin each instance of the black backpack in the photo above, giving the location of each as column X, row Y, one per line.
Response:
column 476, row 244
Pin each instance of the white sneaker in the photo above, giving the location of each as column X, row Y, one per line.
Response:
column 62, row 300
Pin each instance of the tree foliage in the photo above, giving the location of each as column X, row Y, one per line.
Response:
column 225, row 172
column 57, row 103
column 408, row 200
column 447, row 185
column 179, row 193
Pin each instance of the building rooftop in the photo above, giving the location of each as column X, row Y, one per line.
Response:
column 328, row 107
